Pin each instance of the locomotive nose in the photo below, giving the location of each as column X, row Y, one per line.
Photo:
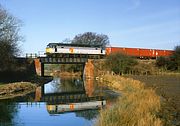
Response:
column 48, row 50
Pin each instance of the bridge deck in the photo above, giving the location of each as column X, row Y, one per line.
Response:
column 69, row 99
column 53, row 60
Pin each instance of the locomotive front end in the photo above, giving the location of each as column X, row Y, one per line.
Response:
column 49, row 50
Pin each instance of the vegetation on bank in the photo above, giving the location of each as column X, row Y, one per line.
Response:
column 171, row 63
column 16, row 89
column 120, row 63
column 136, row 107
column 166, row 86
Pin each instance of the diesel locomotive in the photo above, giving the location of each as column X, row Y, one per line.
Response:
column 74, row 50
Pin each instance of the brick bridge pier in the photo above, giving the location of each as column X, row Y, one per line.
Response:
column 87, row 63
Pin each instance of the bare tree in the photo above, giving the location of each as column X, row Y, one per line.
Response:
column 91, row 38
column 9, row 38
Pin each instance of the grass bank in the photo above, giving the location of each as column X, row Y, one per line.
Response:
column 136, row 107
column 168, row 87
column 16, row 89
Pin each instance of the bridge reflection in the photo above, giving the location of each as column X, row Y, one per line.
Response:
column 67, row 96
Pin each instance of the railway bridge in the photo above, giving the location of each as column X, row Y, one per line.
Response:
column 41, row 61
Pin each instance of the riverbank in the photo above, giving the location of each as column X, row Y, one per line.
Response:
column 137, row 105
column 16, row 89
column 168, row 87
column 12, row 90
column 67, row 74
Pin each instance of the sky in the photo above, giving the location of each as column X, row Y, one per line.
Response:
column 128, row 23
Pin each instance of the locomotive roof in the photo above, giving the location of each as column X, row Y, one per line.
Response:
column 73, row 44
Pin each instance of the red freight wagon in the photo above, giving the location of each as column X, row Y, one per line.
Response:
column 164, row 52
column 132, row 51
column 160, row 53
column 139, row 52
column 115, row 50
column 127, row 51
column 145, row 53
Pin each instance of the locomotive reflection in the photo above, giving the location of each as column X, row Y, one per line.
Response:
column 71, row 107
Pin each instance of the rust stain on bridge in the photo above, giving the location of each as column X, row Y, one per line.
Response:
column 37, row 64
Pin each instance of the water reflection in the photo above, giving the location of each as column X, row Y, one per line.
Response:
column 71, row 107
column 56, row 103
column 87, row 114
column 7, row 113
column 64, row 85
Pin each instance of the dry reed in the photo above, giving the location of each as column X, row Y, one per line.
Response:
column 136, row 107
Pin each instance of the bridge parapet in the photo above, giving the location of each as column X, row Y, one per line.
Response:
column 31, row 55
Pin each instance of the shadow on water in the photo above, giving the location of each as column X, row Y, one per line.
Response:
column 57, row 101
column 21, row 70
column 7, row 113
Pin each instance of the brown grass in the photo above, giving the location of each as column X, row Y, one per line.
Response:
column 136, row 107
column 16, row 89
column 168, row 87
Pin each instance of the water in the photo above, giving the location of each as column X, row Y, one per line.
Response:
column 66, row 102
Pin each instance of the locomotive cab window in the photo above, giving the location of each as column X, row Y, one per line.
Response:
column 101, row 51
column 55, row 48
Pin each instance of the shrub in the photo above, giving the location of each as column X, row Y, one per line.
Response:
column 170, row 63
column 176, row 57
column 120, row 63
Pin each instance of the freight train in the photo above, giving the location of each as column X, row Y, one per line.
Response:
column 139, row 52
column 96, row 51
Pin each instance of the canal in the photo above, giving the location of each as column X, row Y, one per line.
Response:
column 63, row 101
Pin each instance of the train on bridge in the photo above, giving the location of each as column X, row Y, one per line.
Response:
column 96, row 51
column 74, row 50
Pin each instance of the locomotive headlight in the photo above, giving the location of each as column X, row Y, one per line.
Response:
column 49, row 50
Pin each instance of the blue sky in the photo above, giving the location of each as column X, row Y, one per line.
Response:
column 128, row 23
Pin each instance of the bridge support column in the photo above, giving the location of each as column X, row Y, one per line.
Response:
column 89, row 77
column 89, row 69
column 37, row 64
column 39, row 67
column 38, row 94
